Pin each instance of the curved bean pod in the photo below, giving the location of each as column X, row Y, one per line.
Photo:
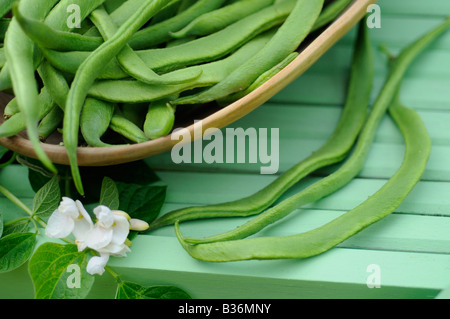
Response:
column 190, row 53
column 159, row 33
column 127, row 129
column 159, row 119
column 88, row 72
column 263, row 78
column 334, row 150
column 19, row 51
column 218, row 19
column 331, row 12
column 130, row 91
column 287, row 39
column 17, row 122
column 95, row 120
column 375, row 208
column 130, row 62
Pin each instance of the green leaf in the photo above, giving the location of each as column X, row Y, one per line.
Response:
column 1, row 225
column 20, row 225
column 15, row 250
column 109, row 195
column 140, row 201
column 59, row 272
column 47, row 199
column 130, row 290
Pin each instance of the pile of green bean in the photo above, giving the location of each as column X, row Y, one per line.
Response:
column 356, row 131
column 118, row 75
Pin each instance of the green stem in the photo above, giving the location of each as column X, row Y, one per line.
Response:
column 15, row 200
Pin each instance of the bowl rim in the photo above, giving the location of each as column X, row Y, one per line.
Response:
column 103, row 156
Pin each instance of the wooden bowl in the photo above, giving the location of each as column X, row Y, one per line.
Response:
column 93, row 156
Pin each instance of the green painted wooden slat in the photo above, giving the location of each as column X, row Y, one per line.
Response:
column 326, row 276
column 415, row 7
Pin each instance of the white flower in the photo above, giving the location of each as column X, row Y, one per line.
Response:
column 108, row 236
column 97, row 264
column 67, row 219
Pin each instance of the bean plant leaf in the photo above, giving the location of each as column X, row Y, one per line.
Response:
column 47, row 198
column 130, row 290
column 15, row 250
column 59, row 272
column 141, row 201
column 109, row 195
column 20, row 225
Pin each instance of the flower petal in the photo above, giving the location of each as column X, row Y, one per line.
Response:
column 68, row 207
column 83, row 212
column 115, row 250
column 99, row 237
column 59, row 225
column 97, row 264
column 104, row 215
column 121, row 229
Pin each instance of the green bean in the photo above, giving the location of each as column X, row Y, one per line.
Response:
column 287, row 39
column 50, row 122
column 191, row 53
column 159, row 33
column 17, row 122
column 95, row 120
column 218, row 19
column 5, row 79
column 58, row 16
column 168, row 12
column 375, row 208
column 19, row 53
column 131, row 91
column 159, row 119
column 55, row 83
column 127, row 129
column 263, row 78
column 331, row 12
column 219, row 44
column 87, row 74
column 5, row 7
column 185, row 4
column 2, row 57
column 49, row 38
column 11, row 108
column 111, row 5
column 4, row 24
column 135, row 112
column 332, row 151
column 70, row 62
column 129, row 60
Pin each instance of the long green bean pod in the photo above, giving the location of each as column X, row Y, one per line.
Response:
column 333, row 150
column 159, row 33
column 331, row 12
column 211, row 73
column 16, row 123
column 130, row 62
column 218, row 19
column 19, row 51
column 375, row 208
column 87, row 74
column 289, row 36
column 95, row 120
column 127, row 129
column 201, row 50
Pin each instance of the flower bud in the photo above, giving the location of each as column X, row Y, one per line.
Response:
column 138, row 225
